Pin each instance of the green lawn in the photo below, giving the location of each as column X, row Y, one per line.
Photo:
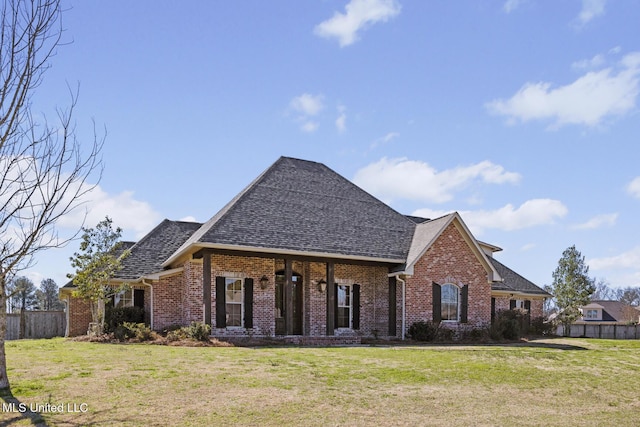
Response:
column 550, row 382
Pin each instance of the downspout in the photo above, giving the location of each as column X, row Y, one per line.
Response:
column 67, row 304
column 404, row 306
column 150, row 303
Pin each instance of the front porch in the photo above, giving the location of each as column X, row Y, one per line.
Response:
column 296, row 301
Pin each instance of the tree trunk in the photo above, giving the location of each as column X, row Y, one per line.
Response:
column 4, row 380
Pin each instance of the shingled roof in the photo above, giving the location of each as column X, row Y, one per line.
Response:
column 305, row 207
column 514, row 282
column 153, row 249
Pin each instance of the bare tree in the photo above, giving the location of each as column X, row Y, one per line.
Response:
column 42, row 166
column 603, row 291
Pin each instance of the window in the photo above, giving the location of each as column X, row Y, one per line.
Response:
column 519, row 304
column 344, row 306
column 449, row 302
column 233, row 309
column 591, row 314
column 123, row 299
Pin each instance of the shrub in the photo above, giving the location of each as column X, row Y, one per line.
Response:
column 128, row 330
column 115, row 317
column 199, row 331
column 540, row 327
column 196, row 331
column 506, row 325
column 423, row 331
column 476, row 334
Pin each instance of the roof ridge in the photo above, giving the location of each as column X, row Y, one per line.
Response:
column 206, row 226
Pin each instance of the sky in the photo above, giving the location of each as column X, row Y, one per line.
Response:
column 522, row 115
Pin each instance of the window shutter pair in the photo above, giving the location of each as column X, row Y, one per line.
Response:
column 221, row 303
column 437, row 303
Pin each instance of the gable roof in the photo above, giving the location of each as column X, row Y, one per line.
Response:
column 303, row 207
column 149, row 253
column 426, row 233
column 513, row 282
column 615, row 311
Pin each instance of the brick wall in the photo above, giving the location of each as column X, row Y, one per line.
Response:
column 168, row 302
column 448, row 260
column 79, row 316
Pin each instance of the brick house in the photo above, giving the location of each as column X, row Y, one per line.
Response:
column 305, row 254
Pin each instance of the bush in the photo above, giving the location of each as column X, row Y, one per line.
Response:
column 424, row 331
column 196, row 331
column 476, row 334
column 115, row 317
column 199, row 331
column 540, row 327
column 506, row 325
column 129, row 330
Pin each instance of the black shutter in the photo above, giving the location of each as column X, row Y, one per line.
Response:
column 437, row 302
column 464, row 303
column 355, row 294
column 221, row 314
column 392, row 307
column 138, row 298
column 248, row 303
column 527, row 305
column 335, row 305
column 493, row 309
column 512, row 304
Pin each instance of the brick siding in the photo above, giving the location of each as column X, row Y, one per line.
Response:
column 448, row 260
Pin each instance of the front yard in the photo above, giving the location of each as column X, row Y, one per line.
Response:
column 548, row 382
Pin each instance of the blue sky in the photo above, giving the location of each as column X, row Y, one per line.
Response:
column 520, row 114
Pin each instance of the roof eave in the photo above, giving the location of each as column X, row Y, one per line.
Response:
column 279, row 251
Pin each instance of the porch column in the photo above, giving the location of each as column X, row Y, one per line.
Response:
column 206, row 286
column 331, row 299
column 288, row 297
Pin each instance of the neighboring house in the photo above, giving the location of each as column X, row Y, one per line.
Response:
column 304, row 253
column 601, row 311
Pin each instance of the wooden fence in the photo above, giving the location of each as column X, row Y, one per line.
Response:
column 602, row 330
column 37, row 324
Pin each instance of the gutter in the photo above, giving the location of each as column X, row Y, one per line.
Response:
column 404, row 299
column 404, row 306
column 150, row 301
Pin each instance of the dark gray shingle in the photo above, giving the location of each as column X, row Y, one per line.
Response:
column 153, row 249
column 513, row 281
column 304, row 206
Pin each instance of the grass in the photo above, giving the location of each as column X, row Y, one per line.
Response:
column 549, row 382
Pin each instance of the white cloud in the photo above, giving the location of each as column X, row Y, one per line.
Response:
column 590, row 10
column 629, row 259
column 586, row 101
column 598, row 221
column 527, row 247
column 415, row 180
column 359, row 14
column 341, row 121
column 385, row 139
column 531, row 213
column 634, row 187
column 189, row 218
column 511, row 5
column 307, row 104
column 133, row 216
column 595, row 62
column 309, row 126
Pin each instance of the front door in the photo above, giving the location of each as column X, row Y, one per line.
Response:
column 296, row 281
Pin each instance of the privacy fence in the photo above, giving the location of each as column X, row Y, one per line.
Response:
column 37, row 324
column 602, row 330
